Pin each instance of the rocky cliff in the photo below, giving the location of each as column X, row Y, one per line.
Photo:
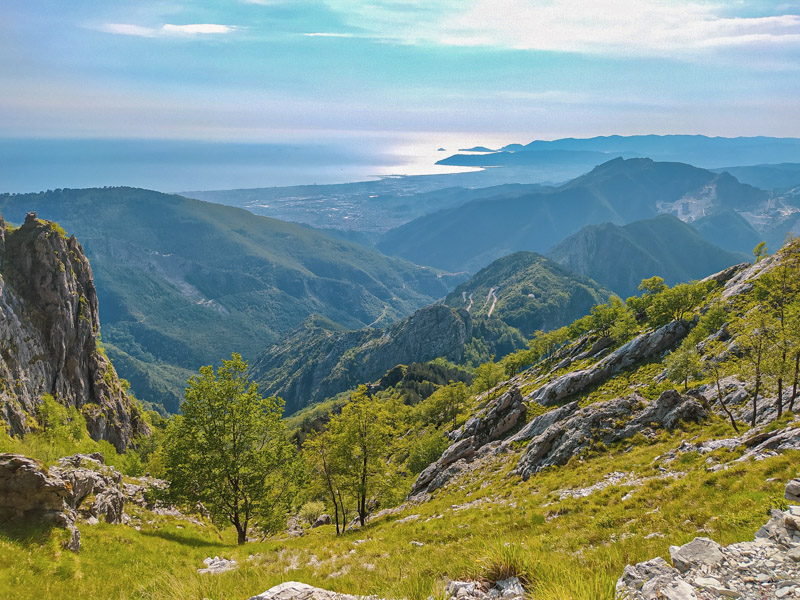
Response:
column 49, row 336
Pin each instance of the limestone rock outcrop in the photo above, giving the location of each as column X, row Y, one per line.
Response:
column 767, row 567
column 560, row 434
column 639, row 348
column 31, row 494
column 49, row 327
column 500, row 417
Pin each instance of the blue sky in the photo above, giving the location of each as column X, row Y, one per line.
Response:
column 512, row 70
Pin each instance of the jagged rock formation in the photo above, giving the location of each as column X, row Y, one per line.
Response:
column 555, row 436
column 321, row 363
column 499, row 418
column 49, row 327
column 639, row 348
column 30, row 494
column 554, row 439
column 767, row 567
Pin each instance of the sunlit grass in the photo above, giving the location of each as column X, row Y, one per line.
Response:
column 570, row 548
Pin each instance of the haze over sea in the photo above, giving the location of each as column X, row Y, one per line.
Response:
column 31, row 165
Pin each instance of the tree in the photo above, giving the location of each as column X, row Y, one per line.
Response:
column 682, row 364
column 487, row 376
column 674, row 303
column 761, row 251
column 778, row 291
column 229, row 451
column 753, row 335
column 320, row 453
column 445, row 403
column 715, row 366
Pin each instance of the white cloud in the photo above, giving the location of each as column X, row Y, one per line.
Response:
column 127, row 29
column 198, row 28
column 330, row 34
column 167, row 29
column 619, row 27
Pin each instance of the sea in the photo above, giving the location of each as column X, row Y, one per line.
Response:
column 34, row 165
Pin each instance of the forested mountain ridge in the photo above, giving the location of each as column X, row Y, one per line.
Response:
column 619, row 257
column 529, row 292
column 183, row 282
column 491, row 314
column 315, row 363
column 619, row 191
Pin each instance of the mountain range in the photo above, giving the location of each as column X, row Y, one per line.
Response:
column 619, row 191
column 700, row 150
column 619, row 257
column 183, row 283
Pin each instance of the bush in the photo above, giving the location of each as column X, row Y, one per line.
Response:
column 310, row 511
column 427, row 449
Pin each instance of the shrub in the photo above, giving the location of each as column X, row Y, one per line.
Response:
column 310, row 511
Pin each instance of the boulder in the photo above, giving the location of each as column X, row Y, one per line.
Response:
column 698, row 552
column 29, row 493
column 218, row 565
column 321, row 520
column 793, row 490
column 293, row 590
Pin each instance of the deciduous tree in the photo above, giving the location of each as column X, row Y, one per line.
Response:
column 228, row 450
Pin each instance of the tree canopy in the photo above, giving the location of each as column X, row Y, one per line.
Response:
column 228, row 450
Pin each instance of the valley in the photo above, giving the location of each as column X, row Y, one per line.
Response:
column 544, row 423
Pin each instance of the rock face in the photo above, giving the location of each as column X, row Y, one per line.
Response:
column 292, row 590
column 28, row 493
column 321, row 363
column 499, row 418
column 49, row 325
column 793, row 491
column 508, row 589
column 639, row 348
column 768, row 567
column 560, row 434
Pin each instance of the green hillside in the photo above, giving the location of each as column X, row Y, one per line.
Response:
column 620, row 257
column 528, row 292
column 183, row 282
column 620, row 191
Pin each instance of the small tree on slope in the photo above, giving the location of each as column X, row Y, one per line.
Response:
column 229, row 451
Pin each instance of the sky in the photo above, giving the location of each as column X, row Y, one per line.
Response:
column 481, row 70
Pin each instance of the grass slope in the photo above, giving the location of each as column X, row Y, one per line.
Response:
column 183, row 282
